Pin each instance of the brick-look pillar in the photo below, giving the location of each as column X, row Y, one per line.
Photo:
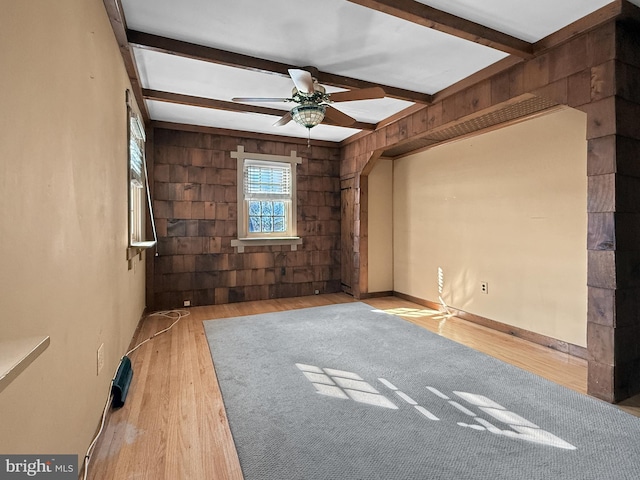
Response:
column 613, row 333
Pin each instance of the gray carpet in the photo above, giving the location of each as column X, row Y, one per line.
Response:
column 348, row 392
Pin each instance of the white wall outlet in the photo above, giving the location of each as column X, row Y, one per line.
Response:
column 100, row 358
column 186, row 303
column 484, row 287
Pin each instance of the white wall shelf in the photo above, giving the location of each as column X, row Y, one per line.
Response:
column 16, row 355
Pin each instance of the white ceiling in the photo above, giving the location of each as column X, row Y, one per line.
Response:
column 335, row 36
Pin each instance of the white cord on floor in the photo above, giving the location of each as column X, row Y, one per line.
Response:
column 168, row 314
column 95, row 439
column 177, row 314
column 446, row 308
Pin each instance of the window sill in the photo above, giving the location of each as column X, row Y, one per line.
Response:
column 16, row 355
column 240, row 243
column 143, row 245
column 137, row 248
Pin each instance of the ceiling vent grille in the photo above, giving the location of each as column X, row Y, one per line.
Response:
column 507, row 114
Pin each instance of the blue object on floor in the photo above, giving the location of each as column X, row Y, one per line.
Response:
column 121, row 382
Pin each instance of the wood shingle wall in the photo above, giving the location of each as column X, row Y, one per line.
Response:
column 195, row 204
column 613, row 329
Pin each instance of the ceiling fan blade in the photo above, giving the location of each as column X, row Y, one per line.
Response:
column 339, row 118
column 302, row 80
column 286, row 118
column 362, row 94
column 259, row 99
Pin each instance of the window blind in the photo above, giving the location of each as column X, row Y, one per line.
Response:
column 136, row 146
column 267, row 181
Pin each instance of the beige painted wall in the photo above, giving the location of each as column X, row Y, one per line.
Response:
column 63, row 234
column 508, row 208
column 381, row 227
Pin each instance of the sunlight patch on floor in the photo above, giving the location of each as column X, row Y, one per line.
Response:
column 417, row 313
column 346, row 385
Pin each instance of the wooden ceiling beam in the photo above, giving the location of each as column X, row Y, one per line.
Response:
column 119, row 27
column 430, row 17
column 230, row 106
column 594, row 19
column 186, row 127
column 214, row 55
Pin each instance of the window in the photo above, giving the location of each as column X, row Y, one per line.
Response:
column 138, row 183
column 266, row 200
column 136, row 180
column 267, row 194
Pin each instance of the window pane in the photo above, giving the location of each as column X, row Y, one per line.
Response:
column 267, row 208
column 254, row 208
column 279, row 225
column 278, row 209
column 254, row 225
column 267, row 224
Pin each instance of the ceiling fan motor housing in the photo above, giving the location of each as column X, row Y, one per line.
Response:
column 318, row 96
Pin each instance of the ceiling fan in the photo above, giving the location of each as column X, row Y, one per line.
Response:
column 314, row 104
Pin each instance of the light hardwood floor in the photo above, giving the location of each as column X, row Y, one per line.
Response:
column 173, row 425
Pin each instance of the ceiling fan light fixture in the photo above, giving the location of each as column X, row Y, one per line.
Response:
column 308, row 115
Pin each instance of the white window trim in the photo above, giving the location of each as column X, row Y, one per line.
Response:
column 137, row 207
column 243, row 240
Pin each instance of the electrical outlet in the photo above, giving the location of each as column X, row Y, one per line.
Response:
column 100, row 358
column 186, row 303
column 484, row 287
